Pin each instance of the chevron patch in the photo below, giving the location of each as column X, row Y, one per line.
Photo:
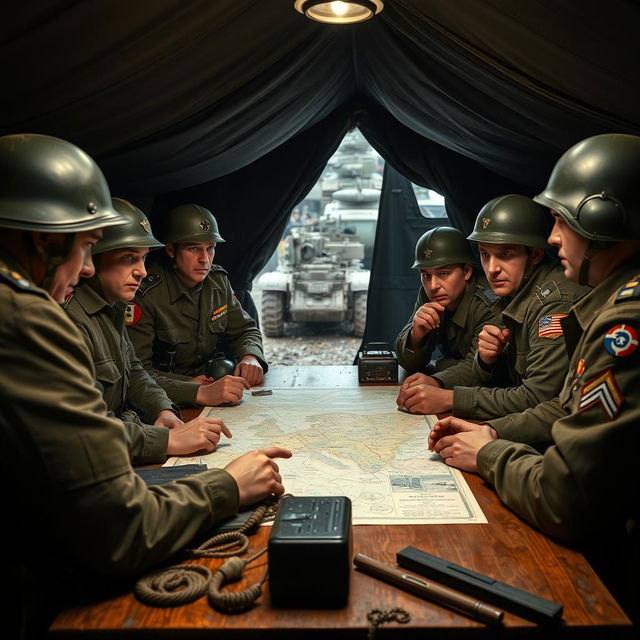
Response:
column 602, row 390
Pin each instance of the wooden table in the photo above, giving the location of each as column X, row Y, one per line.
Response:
column 505, row 548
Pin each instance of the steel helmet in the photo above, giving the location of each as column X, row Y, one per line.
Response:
column 512, row 219
column 440, row 246
column 135, row 233
column 190, row 223
column 48, row 184
column 594, row 187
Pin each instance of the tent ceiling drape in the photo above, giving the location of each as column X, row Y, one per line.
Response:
column 182, row 98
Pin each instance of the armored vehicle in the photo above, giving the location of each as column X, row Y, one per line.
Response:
column 320, row 278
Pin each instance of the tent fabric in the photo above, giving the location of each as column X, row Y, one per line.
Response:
column 225, row 100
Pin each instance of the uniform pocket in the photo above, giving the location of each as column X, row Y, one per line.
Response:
column 176, row 335
column 107, row 372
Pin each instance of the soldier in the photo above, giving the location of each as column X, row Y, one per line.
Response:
column 184, row 310
column 582, row 487
column 152, row 423
column 452, row 306
column 522, row 361
column 67, row 461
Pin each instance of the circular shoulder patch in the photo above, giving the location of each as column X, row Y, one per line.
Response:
column 132, row 314
column 621, row 340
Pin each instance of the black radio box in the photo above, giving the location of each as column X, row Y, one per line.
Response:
column 310, row 551
column 377, row 363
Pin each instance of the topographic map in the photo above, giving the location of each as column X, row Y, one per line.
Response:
column 349, row 442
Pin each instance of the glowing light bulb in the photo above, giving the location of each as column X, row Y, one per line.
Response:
column 339, row 8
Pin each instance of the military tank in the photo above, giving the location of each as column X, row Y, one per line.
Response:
column 319, row 279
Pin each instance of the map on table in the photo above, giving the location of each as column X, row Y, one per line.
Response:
column 349, row 442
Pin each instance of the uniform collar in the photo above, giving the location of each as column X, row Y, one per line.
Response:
column 89, row 297
column 13, row 265
column 516, row 308
column 590, row 305
column 176, row 289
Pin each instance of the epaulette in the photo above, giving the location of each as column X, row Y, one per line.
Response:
column 630, row 291
column 487, row 296
column 152, row 280
column 546, row 291
column 216, row 268
column 17, row 281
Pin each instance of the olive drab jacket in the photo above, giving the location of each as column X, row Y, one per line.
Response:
column 175, row 331
column 67, row 462
column 532, row 367
column 585, row 480
column 129, row 391
column 457, row 334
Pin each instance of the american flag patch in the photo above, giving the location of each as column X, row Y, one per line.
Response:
column 549, row 326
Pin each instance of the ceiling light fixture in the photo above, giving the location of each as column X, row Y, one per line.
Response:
column 339, row 12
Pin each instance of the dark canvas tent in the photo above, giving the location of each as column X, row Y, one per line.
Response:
column 238, row 104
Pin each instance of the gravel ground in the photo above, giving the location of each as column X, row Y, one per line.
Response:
column 306, row 343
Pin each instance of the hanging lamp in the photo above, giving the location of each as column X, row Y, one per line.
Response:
column 339, row 12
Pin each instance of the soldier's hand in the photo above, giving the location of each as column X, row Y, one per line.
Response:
column 167, row 418
column 425, row 319
column 227, row 390
column 450, row 426
column 199, row 434
column 250, row 369
column 203, row 379
column 491, row 343
column 413, row 379
column 461, row 449
column 257, row 474
column 425, row 399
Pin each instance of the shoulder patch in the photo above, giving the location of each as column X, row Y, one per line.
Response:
column 17, row 281
column 549, row 326
column 148, row 283
column 486, row 295
column 621, row 340
column 630, row 291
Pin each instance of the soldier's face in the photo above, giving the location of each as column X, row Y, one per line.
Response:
column 504, row 265
column 571, row 246
column 193, row 260
column 446, row 284
column 77, row 264
column 120, row 273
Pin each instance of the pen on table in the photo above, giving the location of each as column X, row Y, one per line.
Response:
column 430, row 591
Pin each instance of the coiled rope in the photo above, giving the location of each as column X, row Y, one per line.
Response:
column 183, row 583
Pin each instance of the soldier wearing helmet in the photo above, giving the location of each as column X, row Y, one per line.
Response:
column 582, row 487
column 520, row 360
column 76, row 481
column 452, row 307
column 185, row 311
column 98, row 308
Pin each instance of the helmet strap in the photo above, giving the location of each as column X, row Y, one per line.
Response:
column 592, row 248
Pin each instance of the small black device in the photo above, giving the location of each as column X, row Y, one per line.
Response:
column 377, row 362
column 219, row 366
column 525, row 604
column 310, row 550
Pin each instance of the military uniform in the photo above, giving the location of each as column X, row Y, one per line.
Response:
column 175, row 330
column 585, row 481
column 128, row 390
column 457, row 334
column 68, row 461
column 534, row 362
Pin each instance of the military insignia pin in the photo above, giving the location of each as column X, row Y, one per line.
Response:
column 132, row 314
column 485, row 222
column 427, row 253
column 621, row 340
column 145, row 225
column 205, row 225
